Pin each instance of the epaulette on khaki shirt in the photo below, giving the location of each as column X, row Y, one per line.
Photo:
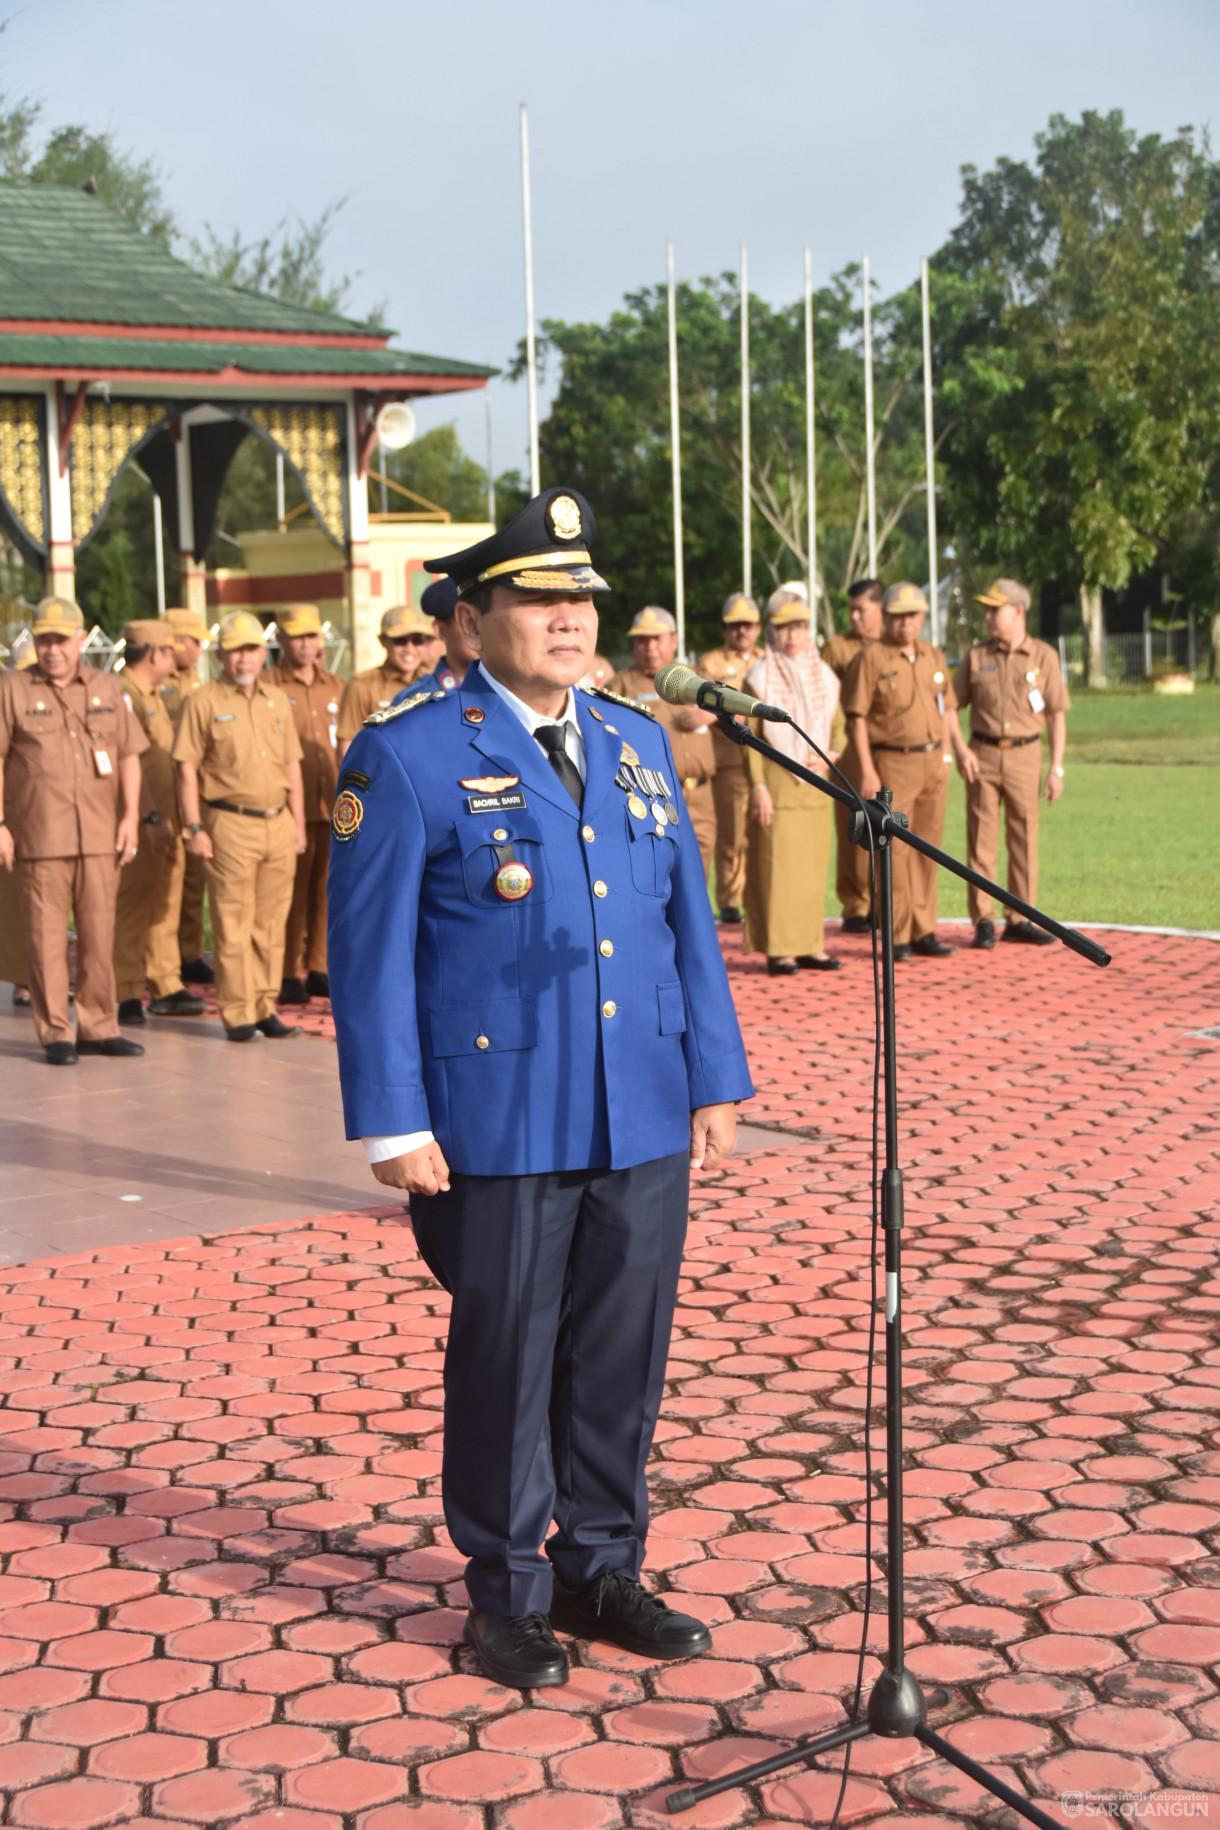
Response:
column 61, row 748
column 1009, row 691
column 157, row 761
column 241, row 745
column 902, row 700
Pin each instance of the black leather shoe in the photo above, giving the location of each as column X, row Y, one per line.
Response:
column 1026, row 931
column 730, row 916
column 781, row 968
column 271, row 1026
column 131, row 1010
column 857, row 924
column 109, row 1045
column 809, row 962
column 293, row 991
column 903, row 950
column 177, row 1004
column 623, row 1611
column 197, row 972
column 984, row 935
column 517, row 1650
column 242, row 1032
column 928, row 947
column 317, row 984
column 61, row 1054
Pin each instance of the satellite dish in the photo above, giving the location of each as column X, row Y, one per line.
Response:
column 395, row 425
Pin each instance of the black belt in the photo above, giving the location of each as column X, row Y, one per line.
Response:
column 1004, row 743
column 905, row 749
column 249, row 813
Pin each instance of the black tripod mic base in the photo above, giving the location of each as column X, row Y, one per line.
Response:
column 896, row 1704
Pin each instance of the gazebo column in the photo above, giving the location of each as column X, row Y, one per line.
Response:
column 193, row 591
column 366, row 651
column 60, row 571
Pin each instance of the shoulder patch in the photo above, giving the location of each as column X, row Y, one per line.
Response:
column 603, row 692
column 396, row 711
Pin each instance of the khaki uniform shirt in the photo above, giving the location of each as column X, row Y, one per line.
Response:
column 157, row 761
column 62, row 800
column 368, row 692
column 241, row 746
column 694, row 758
column 1009, row 692
column 177, row 690
column 841, row 650
column 315, row 709
column 902, row 701
column 730, row 669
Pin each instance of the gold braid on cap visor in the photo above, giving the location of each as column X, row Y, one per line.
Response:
column 551, row 560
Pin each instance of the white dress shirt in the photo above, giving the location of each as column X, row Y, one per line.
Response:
column 381, row 1149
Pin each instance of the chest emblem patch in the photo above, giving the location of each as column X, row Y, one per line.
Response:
column 488, row 784
column 346, row 818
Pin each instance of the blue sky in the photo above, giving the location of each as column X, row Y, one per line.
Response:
column 776, row 122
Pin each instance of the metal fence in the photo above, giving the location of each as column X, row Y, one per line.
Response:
column 1140, row 655
column 106, row 652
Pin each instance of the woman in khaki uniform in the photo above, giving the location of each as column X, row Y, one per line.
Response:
column 729, row 664
column 243, row 811
column 790, row 822
column 897, row 695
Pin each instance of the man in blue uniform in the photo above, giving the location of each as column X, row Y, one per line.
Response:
column 563, row 1052
column 439, row 602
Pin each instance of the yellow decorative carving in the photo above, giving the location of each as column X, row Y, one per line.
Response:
column 107, row 433
column 21, row 462
column 311, row 438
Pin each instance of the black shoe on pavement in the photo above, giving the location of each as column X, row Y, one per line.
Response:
column 1026, row 931
column 928, row 947
column 197, row 972
column 623, row 1611
column 61, row 1054
column 177, row 1004
column 293, row 991
column 857, row 924
column 109, row 1045
column 517, row 1650
column 131, row 1010
column 730, row 916
column 781, row 968
column 984, row 935
column 317, row 984
column 903, row 950
column 242, row 1032
column 809, row 962
column 271, row 1026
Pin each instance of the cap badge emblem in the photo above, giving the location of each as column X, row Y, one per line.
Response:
column 513, row 881
column 564, row 517
column 488, row 784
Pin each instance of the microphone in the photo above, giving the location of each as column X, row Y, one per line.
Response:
column 679, row 685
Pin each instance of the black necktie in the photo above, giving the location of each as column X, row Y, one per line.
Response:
column 551, row 737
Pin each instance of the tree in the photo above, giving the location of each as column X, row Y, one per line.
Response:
column 75, row 155
column 1076, row 305
column 435, row 466
column 288, row 262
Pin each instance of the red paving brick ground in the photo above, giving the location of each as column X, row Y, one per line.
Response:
column 228, row 1597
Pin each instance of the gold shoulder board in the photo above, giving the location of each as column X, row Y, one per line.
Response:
column 603, row 692
column 396, row 711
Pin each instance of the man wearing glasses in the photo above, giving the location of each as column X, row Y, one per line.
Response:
column 409, row 640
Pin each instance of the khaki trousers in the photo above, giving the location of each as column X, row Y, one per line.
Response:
column 190, row 921
column 702, row 810
column 851, row 861
column 919, row 784
column 731, row 799
column 305, row 942
column 250, row 877
column 146, row 922
column 786, row 871
column 1012, row 779
column 50, row 888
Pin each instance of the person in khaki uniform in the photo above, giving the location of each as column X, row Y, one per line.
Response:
column 852, row 885
column 14, row 966
column 409, row 639
column 190, row 640
column 243, row 811
column 1015, row 689
column 654, row 641
column 70, row 779
column 790, row 820
column 314, row 695
column 729, row 664
column 150, row 888
column 897, row 696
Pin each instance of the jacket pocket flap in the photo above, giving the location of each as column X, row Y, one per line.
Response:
column 478, row 829
column 672, row 1007
column 476, row 1029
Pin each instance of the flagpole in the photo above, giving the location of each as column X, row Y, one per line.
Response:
column 870, row 468
column 929, row 439
column 675, row 451
column 531, row 353
column 810, row 453
column 747, row 555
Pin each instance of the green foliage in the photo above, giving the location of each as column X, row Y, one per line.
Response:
column 288, row 262
column 116, row 572
column 435, row 466
column 248, row 500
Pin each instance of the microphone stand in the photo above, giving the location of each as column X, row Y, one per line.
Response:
column 897, row 1706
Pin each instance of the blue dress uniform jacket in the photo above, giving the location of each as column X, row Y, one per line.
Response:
column 573, row 1029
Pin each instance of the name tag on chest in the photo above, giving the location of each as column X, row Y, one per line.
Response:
column 495, row 803
column 102, row 762
column 1036, row 700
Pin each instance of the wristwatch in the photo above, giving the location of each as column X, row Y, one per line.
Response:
column 193, row 828
column 151, row 819
column 1057, row 769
